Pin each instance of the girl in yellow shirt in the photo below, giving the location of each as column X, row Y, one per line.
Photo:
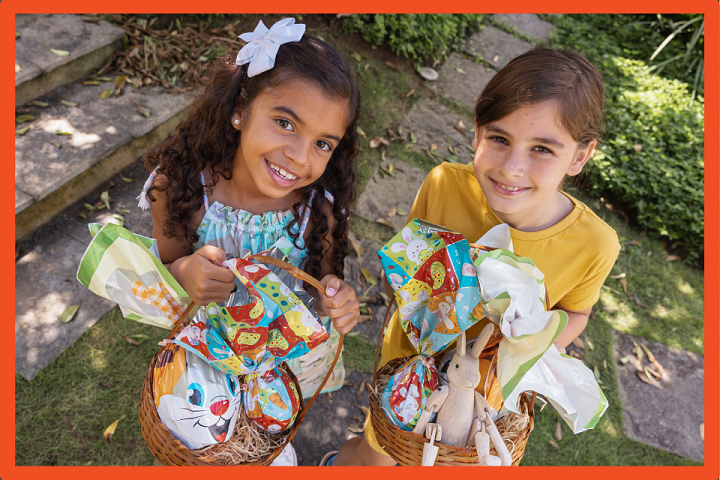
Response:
column 536, row 121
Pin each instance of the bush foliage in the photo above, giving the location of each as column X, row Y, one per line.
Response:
column 653, row 155
column 426, row 37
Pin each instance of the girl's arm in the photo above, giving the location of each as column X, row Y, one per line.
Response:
column 199, row 273
column 340, row 303
column 577, row 321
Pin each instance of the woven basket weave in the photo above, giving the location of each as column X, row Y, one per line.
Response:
column 169, row 450
column 406, row 447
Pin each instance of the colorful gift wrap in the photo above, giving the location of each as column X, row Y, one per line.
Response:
column 263, row 324
column 196, row 402
column 124, row 268
column 407, row 391
column 271, row 400
column 435, row 284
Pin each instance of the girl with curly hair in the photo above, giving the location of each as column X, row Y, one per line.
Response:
column 266, row 152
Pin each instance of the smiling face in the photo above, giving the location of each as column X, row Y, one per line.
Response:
column 520, row 161
column 288, row 135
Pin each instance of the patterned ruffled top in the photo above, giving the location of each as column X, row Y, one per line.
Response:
column 238, row 232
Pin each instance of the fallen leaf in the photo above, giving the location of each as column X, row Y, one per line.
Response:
column 17, row 35
column 68, row 104
column 460, row 71
column 596, row 372
column 611, row 309
column 575, row 354
column 623, row 282
column 354, row 428
column 461, row 124
column 22, row 131
column 638, row 352
column 363, row 409
column 38, row 103
column 433, row 147
column 635, row 243
column 368, row 276
column 558, row 431
column 56, row 144
column 361, row 389
column 638, row 302
column 555, row 445
column 637, row 147
column 131, row 341
column 650, row 356
column 391, row 65
column 69, row 313
column 452, row 158
column 410, row 93
column 650, row 381
column 91, row 82
column 359, row 250
column 143, row 110
column 361, row 132
column 88, row 206
column 362, row 282
column 385, row 298
column 124, row 210
column 618, row 277
column 109, row 431
column 624, row 360
column 105, row 197
column 459, row 129
column 392, row 212
column 141, row 335
column 60, row 132
column 386, row 222
column 496, row 58
column 126, row 180
column 107, row 92
column 24, row 118
column 364, row 318
column 82, row 215
column 374, row 142
column 672, row 258
column 17, row 68
column 579, row 343
column 330, row 396
column 117, row 220
column 60, row 53
column 604, row 364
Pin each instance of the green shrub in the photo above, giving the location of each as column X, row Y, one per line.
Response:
column 426, row 37
column 663, row 182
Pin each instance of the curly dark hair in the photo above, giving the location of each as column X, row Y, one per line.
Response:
column 206, row 138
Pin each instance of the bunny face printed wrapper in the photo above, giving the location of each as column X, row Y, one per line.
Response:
column 406, row 394
column 435, row 284
column 197, row 403
column 264, row 324
column 271, row 400
column 513, row 291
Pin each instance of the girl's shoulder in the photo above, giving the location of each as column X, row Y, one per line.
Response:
column 588, row 224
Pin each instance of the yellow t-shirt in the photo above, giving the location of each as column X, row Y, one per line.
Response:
column 575, row 255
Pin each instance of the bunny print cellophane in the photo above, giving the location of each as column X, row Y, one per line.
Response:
column 438, row 297
column 196, row 402
column 435, row 284
column 407, row 391
column 271, row 400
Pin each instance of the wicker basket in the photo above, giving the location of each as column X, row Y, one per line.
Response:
column 406, row 447
column 169, row 450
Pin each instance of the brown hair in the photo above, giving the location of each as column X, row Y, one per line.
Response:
column 543, row 74
column 206, row 138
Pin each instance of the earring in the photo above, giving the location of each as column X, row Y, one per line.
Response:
column 236, row 121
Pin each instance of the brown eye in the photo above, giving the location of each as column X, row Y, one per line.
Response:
column 457, row 365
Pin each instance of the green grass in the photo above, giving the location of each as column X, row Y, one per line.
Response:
column 359, row 353
column 61, row 415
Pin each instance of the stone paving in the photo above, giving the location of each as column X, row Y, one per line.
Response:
column 662, row 418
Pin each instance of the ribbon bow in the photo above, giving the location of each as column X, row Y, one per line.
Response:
column 263, row 44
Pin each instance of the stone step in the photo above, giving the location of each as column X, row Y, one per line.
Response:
column 38, row 70
column 45, row 273
column 105, row 135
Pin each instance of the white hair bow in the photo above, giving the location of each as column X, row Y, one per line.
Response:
column 263, row 44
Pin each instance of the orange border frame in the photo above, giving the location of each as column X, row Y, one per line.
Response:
column 710, row 471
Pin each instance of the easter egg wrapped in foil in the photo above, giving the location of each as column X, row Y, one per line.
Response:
column 271, row 400
column 196, row 402
column 406, row 393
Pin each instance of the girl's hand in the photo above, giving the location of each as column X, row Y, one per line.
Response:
column 340, row 303
column 202, row 277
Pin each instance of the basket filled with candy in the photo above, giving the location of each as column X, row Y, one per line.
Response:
column 473, row 404
column 219, row 391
